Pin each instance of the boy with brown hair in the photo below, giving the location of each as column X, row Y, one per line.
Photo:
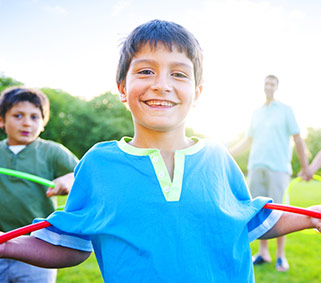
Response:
column 24, row 113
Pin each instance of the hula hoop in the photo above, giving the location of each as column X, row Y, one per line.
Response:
column 293, row 209
column 30, row 177
column 23, row 230
column 44, row 224
column 27, row 176
column 286, row 196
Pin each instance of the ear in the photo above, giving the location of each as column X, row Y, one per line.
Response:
column 1, row 123
column 122, row 92
column 42, row 129
column 198, row 92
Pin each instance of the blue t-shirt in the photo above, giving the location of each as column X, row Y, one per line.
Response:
column 271, row 128
column 146, row 228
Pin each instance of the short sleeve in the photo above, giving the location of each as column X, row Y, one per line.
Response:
column 72, row 227
column 64, row 161
column 262, row 222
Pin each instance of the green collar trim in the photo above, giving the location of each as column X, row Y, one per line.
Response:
column 126, row 147
column 171, row 189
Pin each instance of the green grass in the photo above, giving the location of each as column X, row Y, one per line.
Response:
column 303, row 250
column 86, row 272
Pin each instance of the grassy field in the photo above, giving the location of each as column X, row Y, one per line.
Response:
column 303, row 250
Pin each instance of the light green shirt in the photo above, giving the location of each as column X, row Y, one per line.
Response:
column 21, row 200
column 271, row 128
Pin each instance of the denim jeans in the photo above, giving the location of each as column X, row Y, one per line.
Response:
column 12, row 271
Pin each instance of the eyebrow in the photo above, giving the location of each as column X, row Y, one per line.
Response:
column 137, row 61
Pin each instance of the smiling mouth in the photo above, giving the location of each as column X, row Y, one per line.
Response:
column 160, row 103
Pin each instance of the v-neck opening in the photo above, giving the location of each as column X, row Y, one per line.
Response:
column 171, row 189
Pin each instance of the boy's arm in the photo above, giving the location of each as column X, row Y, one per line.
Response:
column 300, row 148
column 40, row 253
column 242, row 146
column 292, row 222
column 63, row 185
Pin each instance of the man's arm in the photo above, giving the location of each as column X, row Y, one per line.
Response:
column 40, row 253
column 242, row 146
column 300, row 148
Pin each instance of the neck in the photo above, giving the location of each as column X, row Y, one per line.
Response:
column 164, row 141
column 268, row 101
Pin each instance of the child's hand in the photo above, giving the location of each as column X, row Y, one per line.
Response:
column 307, row 174
column 63, row 185
column 2, row 247
column 316, row 222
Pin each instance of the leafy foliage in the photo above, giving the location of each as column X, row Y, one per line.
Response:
column 79, row 124
column 313, row 141
column 7, row 82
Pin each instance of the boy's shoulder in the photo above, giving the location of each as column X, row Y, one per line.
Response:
column 214, row 147
column 104, row 147
column 42, row 143
column 50, row 147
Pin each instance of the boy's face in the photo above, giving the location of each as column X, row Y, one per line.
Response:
column 159, row 88
column 270, row 87
column 23, row 123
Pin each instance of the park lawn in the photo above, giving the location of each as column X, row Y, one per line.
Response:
column 86, row 272
column 303, row 250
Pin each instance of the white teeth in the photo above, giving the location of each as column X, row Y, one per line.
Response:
column 159, row 103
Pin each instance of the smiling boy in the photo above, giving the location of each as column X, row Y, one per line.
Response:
column 158, row 207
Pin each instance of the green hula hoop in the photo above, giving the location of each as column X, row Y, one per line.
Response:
column 30, row 177
column 27, row 176
column 286, row 196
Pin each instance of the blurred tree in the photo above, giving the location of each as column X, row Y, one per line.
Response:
column 79, row 124
column 241, row 159
column 6, row 82
column 111, row 118
column 313, row 142
column 65, row 121
column 313, row 145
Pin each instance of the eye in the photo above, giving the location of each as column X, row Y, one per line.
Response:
column 145, row 72
column 35, row 117
column 18, row 116
column 179, row 75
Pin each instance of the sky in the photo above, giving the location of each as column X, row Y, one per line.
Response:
column 73, row 45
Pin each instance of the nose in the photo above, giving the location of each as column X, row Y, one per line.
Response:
column 27, row 121
column 162, row 83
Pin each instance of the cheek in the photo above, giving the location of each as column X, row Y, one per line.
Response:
column 136, row 90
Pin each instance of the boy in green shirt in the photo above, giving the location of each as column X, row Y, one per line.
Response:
column 23, row 116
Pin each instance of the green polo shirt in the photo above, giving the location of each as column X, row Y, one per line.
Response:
column 21, row 200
